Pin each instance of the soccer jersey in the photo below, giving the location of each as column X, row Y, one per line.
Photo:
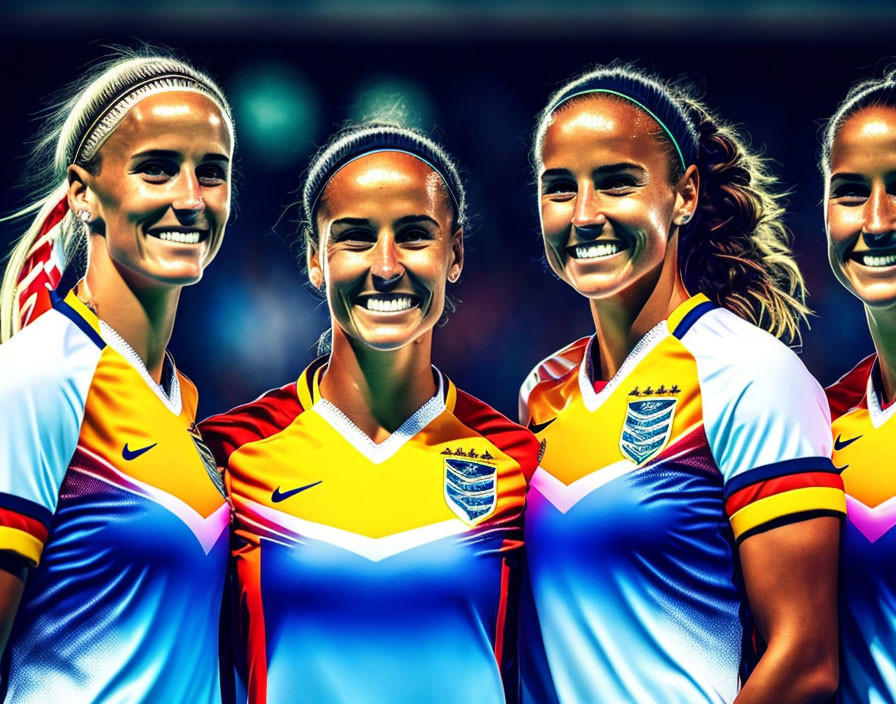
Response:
column 375, row 572
column 105, row 492
column 711, row 431
column 864, row 433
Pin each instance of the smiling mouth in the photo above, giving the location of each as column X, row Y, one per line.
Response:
column 388, row 302
column 179, row 235
column 875, row 259
column 596, row 250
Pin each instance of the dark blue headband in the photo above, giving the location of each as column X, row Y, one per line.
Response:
column 380, row 139
column 650, row 97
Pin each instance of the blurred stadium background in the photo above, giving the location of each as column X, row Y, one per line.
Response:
column 473, row 74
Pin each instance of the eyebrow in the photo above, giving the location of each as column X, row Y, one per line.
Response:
column 404, row 220
column 600, row 170
column 847, row 176
column 171, row 154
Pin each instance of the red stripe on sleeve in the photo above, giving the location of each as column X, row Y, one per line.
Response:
column 265, row 416
column 770, row 487
column 512, row 439
column 11, row 519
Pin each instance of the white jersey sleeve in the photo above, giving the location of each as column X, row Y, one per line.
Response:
column 45, row 374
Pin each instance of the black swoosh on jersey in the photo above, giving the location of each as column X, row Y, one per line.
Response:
column 538, row 427
column 129, row 454
column 839, row 445
column 279, row 496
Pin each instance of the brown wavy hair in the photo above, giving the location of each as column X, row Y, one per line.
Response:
column 736, row 248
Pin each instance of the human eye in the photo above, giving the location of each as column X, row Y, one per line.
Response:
column 354, row 238
column 850, row 192
column 211, row 174
column 618, row 184
column 416, row 235
column 155, row 171
column 559, row 187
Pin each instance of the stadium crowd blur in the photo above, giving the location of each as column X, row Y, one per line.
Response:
column 475, row 80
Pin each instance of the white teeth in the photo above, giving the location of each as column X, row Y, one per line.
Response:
column 180, row 237
column 598, row 249
column 389, row 305
column 878, row 260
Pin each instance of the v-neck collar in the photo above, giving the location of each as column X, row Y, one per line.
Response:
column 104, row 334
column 879, row 415
column 677, row 324
column 308, row 387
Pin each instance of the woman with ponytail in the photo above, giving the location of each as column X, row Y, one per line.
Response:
column 859, row 167
column 378, row 508
column 682, row 527
column 113, row 522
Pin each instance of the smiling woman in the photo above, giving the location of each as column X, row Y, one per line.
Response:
column 393, row 579
column 686, row 481
column 859, row 166
column 113, row 520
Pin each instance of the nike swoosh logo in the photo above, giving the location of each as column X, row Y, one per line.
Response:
column 279, row 496
column 839, row 445
column 538, row 427
column 129, row 454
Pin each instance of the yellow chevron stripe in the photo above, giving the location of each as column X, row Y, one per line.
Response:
column 811, row 498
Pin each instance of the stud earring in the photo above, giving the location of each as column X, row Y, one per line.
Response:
column 85, row 216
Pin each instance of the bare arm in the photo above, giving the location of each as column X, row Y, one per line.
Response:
column 13, row 571
column 790, row 574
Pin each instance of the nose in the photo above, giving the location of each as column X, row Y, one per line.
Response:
column 879, row 217
column 588, row 216
column 188, row 201
column 386, row 269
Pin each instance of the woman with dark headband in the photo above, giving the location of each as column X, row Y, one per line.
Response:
column 686, row 490
column 859, row 167
column 113, row 520
column 378, row 508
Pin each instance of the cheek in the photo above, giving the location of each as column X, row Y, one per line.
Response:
column 555, row 218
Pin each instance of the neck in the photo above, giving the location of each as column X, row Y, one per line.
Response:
column 144, row 318
column 882, row 324
column 620, row 321
column 378, row 390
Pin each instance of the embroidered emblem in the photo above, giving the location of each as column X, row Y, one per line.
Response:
column 472, row 454
column 661, row 390
column 647, row 427
column 470, row 488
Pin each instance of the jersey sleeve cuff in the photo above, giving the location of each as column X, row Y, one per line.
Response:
column 24, row 526
column 784, row 493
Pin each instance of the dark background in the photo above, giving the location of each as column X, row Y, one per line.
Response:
column 474, row 75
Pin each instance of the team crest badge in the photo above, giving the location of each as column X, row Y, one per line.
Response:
column 647, row 427
column 470, row 488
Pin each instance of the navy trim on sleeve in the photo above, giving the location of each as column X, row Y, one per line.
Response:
column 26, row 507
column 687, row 322
column 780, row 469
column 70, row 313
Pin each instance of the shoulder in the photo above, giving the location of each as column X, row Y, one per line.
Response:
column 731, row 351
column 849, row 391
column 47, row 363
column 267, row 415
column 554, row 368
column 509, row 437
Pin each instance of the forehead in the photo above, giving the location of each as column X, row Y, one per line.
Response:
column 178, row 120
column 600, row 129
column 385, row 184
column 866, row 142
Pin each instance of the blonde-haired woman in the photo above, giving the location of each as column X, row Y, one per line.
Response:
column 113, row 523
